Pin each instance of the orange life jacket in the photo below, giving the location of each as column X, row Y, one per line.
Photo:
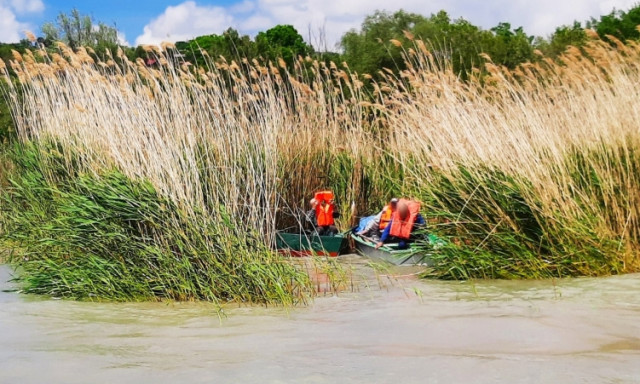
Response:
column 386, row 217
column 324, row 214
column 402, row 229
column 324, row 196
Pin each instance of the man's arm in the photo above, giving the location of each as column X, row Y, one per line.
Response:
column 386, row 232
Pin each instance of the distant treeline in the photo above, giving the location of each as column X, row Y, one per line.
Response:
column 366, row 50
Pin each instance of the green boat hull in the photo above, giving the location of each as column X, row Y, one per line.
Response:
column 303, row 245
column 391, row 254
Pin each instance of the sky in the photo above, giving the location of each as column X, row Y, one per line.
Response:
column 154, row 21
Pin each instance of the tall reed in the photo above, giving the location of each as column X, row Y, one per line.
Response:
column 527, row 173
column 533, row 172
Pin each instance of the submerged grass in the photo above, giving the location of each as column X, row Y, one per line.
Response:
column 171, row 181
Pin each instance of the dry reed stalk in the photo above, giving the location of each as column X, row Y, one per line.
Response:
column 228, row 134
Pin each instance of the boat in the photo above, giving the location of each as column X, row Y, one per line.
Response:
column 303, row 245
column 390, row 253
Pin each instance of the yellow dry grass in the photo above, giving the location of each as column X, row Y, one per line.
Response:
column 230, row 134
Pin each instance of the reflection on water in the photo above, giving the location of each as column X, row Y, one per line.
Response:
column 567, row 331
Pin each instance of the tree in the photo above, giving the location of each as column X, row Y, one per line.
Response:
column 563, row 37
column 510, row 47
column 368, row 50
column 622, row 25
column 282, row 41
column 231, row 45
column 78, row 30
column 458, row 41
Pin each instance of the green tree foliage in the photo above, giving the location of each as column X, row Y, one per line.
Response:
column 368, row 50
column 230, row 44
column 620, row 24
column 563, row 37
column 282, row 41
column 135, row 53
column 510, row 47
column 456, row 40
column 78, row 30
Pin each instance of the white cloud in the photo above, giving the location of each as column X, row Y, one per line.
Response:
column 122, row 39
column 27, row 6
column 12, row 29
column 185, row 21
column 244, row 7
column 256, row 23
column 335, row 17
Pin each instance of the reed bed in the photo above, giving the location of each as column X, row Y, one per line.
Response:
column 527, row 173
column 533, row 172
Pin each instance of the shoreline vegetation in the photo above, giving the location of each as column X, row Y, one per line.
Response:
column 138, row 182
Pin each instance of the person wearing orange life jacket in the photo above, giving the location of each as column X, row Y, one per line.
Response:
column 380, row 221
column 325, row 214
column 404, row 222
column 387, row 214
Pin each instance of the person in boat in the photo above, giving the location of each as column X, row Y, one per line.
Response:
column 325, row 213
column 380, row 222
column 310, row 215
column 404, row 222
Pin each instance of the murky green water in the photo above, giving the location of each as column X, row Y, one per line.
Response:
column 578, row 331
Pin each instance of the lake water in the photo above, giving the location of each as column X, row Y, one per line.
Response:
column 395, row 331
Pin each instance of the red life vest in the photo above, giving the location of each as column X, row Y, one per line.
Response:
column 324, row 196
column 402, row 229
column 324, row 214
column 386, row 217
